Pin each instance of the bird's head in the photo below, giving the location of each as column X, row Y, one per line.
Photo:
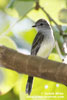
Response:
column 42, row 24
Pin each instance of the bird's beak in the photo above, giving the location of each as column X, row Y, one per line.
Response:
column 34, row 26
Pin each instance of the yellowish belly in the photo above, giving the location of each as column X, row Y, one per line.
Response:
column 45, row 50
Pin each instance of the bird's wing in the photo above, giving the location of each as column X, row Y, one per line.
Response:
column 36, row 43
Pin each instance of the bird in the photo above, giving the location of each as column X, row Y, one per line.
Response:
column 42, row 45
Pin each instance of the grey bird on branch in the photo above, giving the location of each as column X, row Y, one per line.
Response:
column 42, row 45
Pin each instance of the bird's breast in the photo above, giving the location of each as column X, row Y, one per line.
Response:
column 45, row 48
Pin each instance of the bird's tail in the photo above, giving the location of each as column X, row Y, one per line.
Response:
column 29, row 85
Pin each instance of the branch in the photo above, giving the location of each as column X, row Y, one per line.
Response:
column 49, row 17
column 32, row 65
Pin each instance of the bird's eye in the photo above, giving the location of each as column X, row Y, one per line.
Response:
column 41, row 24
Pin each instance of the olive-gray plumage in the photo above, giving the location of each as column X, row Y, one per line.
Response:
column 42, row 45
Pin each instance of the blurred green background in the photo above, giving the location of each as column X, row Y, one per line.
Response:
column 16, row 32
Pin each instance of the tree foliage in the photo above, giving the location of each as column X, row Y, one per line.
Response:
column 16, row 19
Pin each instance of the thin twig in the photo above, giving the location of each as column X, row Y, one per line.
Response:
column 51, row 19
column 37, row 4
column 58, row 51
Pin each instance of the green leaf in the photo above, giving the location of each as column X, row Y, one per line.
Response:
column 9, row 96
column 29, row 35
column 11, row 3
column 6, row 41
column 3, row 3
column 4, row 23
column 23, row 7
column 54, row 57
column 42, row 89
column 24, row 30
column 9, row 77
column 51, row 6
column 63, row 15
